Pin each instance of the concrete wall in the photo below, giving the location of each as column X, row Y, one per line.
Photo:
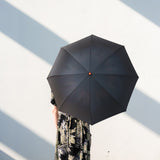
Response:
column 32, row 31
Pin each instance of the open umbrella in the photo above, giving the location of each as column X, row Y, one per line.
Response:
column 92, row 79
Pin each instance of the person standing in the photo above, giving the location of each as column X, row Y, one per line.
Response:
column 73, row 137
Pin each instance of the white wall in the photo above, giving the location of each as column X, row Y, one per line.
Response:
column 32, row 31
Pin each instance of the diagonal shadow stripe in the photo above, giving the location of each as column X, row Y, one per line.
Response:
column 145, row 110
column 45, row 44
column 5, row 156
column 29, row 33
column 24, row 141
column 147, row 8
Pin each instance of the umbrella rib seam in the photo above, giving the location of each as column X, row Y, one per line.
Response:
column 91, row 41
column 109, row 56
column 108, row 93
column 116, row 75
column 66, row 75
column 72, row 92
column 74, row 58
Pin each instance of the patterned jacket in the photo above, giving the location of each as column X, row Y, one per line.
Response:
column 73, row 137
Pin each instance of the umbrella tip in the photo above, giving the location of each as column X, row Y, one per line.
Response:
column 89, row 73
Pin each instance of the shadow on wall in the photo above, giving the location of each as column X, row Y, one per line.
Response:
column 45, row 44
column 145, row 110
column 5, row 156
column 149, row 9
column 23, row 141
column 29, row 33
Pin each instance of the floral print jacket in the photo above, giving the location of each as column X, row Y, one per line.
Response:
column 73, row 140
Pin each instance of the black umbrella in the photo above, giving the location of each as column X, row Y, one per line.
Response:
column 92, row 79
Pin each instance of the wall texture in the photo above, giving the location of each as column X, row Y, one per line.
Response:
column 31, row 34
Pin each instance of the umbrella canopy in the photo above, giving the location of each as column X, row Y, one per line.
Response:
column 92, row 79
